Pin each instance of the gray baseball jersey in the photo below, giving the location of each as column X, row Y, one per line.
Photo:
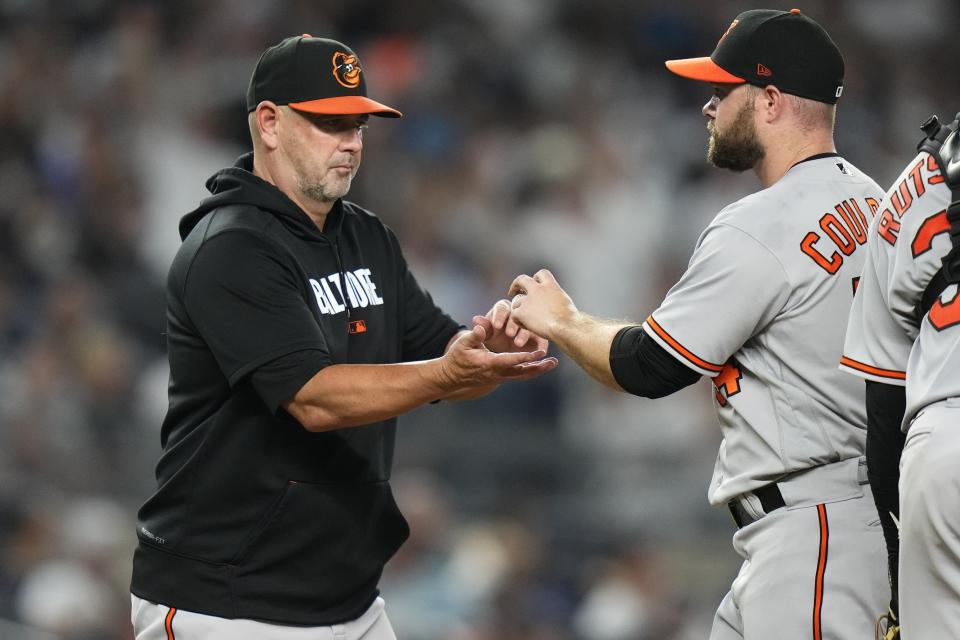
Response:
column 762, row 310
column 884, row 342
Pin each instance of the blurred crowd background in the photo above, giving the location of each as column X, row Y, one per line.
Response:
column 536, row 133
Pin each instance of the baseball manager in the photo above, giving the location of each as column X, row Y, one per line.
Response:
column 296, row 334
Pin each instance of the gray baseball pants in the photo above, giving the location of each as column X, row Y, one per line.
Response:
column 815, row 569
column 157, row 622
column 930, row 525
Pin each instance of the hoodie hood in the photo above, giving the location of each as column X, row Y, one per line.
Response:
column 238, row 185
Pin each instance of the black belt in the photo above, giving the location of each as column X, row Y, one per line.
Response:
column 770, row 499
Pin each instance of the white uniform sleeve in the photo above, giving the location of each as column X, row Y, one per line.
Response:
column 877, row 346
column 923, row 241
column 732, row 288
column 904, row 244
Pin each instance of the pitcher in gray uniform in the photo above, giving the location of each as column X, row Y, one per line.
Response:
column 761, row 311
column 895, row 340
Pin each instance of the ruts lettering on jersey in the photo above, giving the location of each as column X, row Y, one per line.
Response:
column 884, row 342
column 910, row 188
column 332, row 296
column 845, row 228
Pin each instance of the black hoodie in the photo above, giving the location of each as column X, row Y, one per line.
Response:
column 254, row 516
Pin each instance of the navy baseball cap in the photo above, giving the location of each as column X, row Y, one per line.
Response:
column 768, row 47
column 315, row 75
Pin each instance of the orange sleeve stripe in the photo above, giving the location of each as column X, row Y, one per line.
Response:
column 876, row 371
column 679, row 348
column 821, row 573
column 168, row 624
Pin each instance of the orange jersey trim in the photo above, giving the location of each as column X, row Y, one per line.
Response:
column 821, row 573
column 679, row 348
column 168, row 624
column 876, row 371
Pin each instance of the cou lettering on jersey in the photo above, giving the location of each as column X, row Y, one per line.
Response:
column 845, row 228
column 359, row 290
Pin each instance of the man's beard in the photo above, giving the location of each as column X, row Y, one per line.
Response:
column 321, row 191
column 317, row 187
column 737, row 148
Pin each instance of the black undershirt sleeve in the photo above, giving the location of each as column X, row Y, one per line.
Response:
column 886, row 404
column 644, row 368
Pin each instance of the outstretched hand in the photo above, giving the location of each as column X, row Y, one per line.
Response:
column 539, row 304
column 469, row 363
column 504, row 334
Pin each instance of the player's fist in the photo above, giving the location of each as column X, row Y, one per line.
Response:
column 540, row 305
column 504, row 334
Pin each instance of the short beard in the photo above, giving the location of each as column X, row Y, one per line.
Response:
column 737, row 148
column 313, row 188
column 320, row 191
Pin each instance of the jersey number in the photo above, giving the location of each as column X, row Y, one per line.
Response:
column 942, row 315
column 931, row 227
column 727, row 382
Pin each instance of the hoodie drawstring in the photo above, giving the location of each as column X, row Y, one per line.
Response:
column 343, row 282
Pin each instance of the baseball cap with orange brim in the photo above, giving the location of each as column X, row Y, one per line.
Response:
column 313, row 75
column 768, row 47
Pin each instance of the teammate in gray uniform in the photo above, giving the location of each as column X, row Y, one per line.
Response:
column 891, row 345
column 761, row 311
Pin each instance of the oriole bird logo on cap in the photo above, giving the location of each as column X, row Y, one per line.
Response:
column 346, row 69
column 727, row 32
